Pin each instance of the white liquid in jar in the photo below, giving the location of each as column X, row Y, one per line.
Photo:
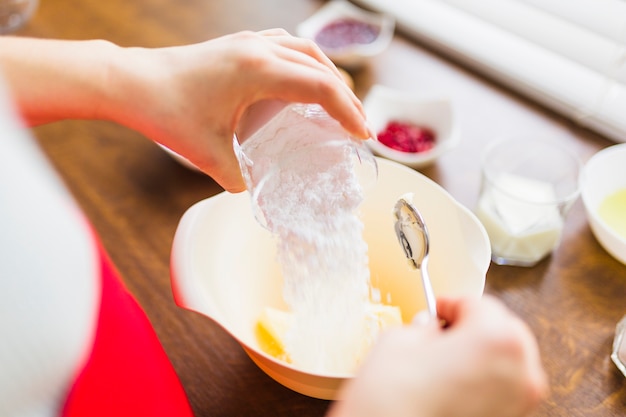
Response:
column 525, row 228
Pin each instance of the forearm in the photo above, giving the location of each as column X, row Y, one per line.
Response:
column 53, row 80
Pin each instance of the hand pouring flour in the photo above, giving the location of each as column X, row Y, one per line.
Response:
column 306, row 178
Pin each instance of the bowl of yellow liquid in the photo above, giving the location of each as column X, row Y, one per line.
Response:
column 603, row 190
column 224, row 266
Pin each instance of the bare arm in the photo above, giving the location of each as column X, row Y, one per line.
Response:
column 52, row 80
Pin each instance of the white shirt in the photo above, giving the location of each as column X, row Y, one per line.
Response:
column 49, row 285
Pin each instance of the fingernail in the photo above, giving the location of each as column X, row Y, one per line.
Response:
column 370, row 132
column 422, row 318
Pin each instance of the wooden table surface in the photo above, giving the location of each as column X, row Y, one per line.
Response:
column 135, row 195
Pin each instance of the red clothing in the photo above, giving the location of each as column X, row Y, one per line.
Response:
column 128, row 372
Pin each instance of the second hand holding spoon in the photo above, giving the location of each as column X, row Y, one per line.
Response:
column 413, row 236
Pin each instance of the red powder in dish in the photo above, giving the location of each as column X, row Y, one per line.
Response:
column 407, row 137
column 345, row 32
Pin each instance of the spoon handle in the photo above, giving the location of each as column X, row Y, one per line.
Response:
column 431, row 302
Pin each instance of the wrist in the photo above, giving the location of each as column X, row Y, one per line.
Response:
column 133, row 78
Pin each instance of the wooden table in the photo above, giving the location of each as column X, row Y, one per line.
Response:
column 135, row 194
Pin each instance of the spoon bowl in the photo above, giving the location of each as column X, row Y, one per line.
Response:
column 412, row 235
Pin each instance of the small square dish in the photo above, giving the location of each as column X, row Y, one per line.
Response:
column 411, row 130
column 348, row 34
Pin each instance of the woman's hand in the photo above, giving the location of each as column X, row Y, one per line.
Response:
column 485, row 363
column 190, row 98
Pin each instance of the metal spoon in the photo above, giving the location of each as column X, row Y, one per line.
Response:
column 412, row 234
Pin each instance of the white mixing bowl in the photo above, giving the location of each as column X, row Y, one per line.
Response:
column 223, row 263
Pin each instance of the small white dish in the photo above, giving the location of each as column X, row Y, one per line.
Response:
column 384, row 104
column 603, row 175
column 354, row 54
column 223, row 263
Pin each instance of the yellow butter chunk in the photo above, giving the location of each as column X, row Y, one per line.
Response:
column 273, row 326
column 382, row 316
column 272, row 329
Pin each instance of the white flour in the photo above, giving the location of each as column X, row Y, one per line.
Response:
column 309, row 201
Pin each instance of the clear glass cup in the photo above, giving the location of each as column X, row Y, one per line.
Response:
column 15, row 13
column 528, row 186
column 295, row 148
